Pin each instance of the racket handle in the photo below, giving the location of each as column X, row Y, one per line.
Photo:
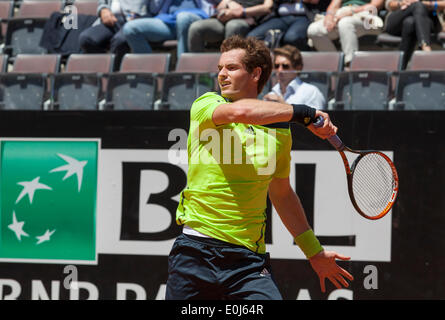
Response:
column 334, row 140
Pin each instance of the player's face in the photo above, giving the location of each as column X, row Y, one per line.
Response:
column 234, row 80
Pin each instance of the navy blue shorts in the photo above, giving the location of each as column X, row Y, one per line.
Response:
column 210, row 269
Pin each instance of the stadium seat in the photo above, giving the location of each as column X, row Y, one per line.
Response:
column 32, row 63
column 422, row 60
column 87, row 7
column 420, row 90
column 25, row 30
column 320, row 68
column 369, row 83
column 198, row 62
column 81, row 85
column 25, row 87
column 422, row 87
column 6, row 12
column 39, row 8
column 387, row 40
column 3, row 63
column 194, row 75
column 134, row 87
column 322, row 61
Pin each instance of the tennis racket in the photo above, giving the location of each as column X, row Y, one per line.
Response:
column 372, row 178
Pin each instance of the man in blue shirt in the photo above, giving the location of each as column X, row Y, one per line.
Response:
column 290, row 88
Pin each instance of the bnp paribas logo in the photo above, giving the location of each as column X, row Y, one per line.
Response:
column 48, row 194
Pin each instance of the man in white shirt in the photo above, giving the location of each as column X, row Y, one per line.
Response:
column 290, row 88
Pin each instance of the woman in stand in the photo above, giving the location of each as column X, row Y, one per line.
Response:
column 414, row 21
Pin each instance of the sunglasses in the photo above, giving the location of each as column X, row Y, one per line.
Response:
column 285, row 66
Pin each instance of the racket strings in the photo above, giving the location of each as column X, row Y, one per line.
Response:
column 373, row 184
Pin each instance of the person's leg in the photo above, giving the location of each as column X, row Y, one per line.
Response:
column 296, row 34
column 350, row 30
column 96, row 39
column 236, row 26
column 321, row 38
column 119, row 46
column 203, row 31
column 423, row 25
column 183, row 22
column 409, row 40
column 140, row 32
column 247, row 276
column 394, row 23
column 190, row 275
column 279, row 23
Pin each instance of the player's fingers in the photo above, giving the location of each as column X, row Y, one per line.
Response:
column 334, row 282
column 341, row 257
column 322, row 284
column 346, row 274
column 341, row 280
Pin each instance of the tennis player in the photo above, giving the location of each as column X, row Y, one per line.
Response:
column 221, row 253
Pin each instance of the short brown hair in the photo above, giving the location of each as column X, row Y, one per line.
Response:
column 291, row 53
column 257, row 55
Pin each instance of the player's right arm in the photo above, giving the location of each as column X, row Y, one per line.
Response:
column 260, row 112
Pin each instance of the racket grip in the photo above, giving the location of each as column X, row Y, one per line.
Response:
column 334, row 140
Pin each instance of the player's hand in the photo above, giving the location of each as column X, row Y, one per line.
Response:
column 325, row 266
column 328, row 129
column 273, row 97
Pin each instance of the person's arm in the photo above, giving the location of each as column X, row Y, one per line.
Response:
column 291, row 212
column 438, row 5
column 236, row 11
column 311, row 1
column 260, row 112
column 329, row 20
column 393, row 5
column 378, row 4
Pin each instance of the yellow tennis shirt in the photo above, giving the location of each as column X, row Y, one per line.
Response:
column 229, row 170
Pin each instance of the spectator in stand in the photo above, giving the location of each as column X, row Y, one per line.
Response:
column 289, row 88
column 292, row 17
column 232, row 17
column 414, row 21
column 106, row 33
column 171, row 23
column 348, row 20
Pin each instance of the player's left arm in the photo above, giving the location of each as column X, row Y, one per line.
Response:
column 291, row 212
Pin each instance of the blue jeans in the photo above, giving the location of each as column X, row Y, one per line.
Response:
column 294, row 28
column 140, row 32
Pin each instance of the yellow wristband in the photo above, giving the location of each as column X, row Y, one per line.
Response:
column 308, row 243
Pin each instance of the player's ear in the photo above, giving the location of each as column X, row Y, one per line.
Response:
column 256, row 73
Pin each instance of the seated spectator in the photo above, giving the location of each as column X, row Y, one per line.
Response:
column 106, row 33
column 347, row 20
column 289, row 88
column 292, row 18
column 232, row 17
column 171, row 23
column 414, row 21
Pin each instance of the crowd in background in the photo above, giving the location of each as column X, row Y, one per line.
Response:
column 201, row 25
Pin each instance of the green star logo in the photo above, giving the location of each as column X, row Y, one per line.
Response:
column 48, row 194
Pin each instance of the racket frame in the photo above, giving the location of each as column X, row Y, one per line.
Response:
column 336, row 142
column 350, row 175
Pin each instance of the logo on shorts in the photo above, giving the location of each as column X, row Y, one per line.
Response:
column 48, row 199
